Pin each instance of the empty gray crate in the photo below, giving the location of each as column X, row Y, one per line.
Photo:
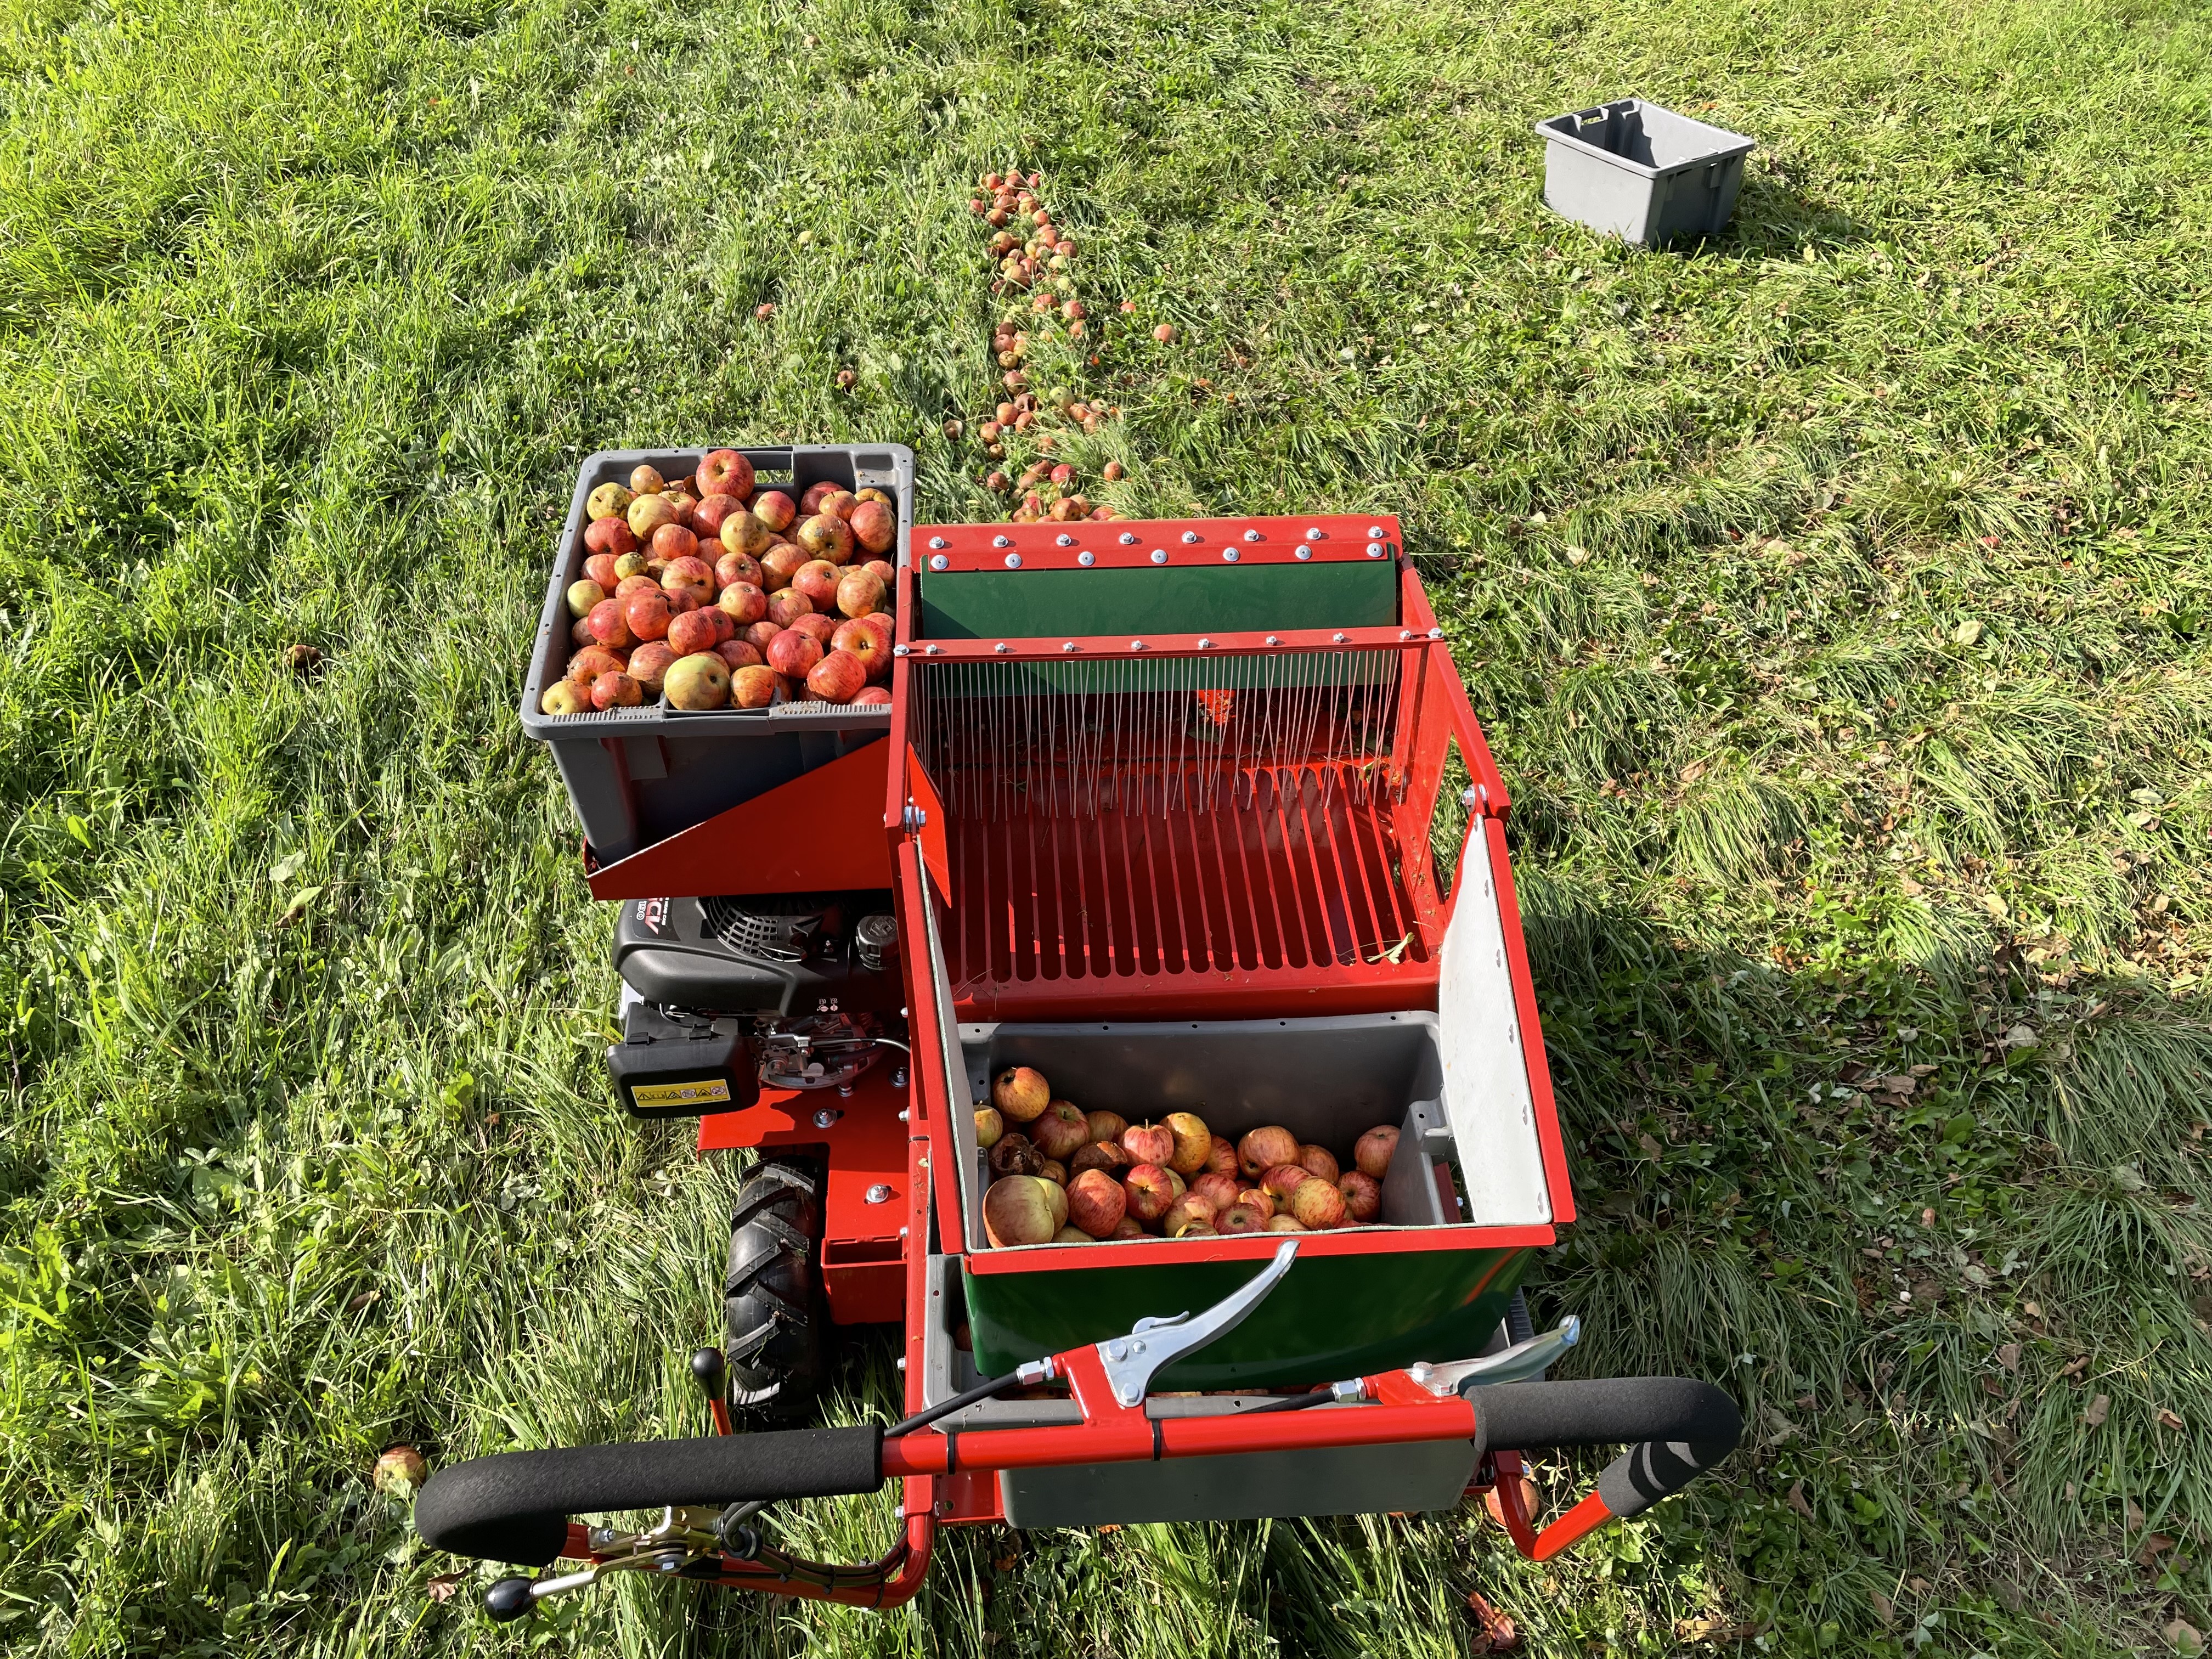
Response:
column 1642, row 172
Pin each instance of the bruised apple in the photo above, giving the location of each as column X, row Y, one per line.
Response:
column 826, row 536
column 1022, row 1093
column 1014, row 1153
column 1185, row 1211
column 608, row 501
column 1105, row 1155
column 742, row 532
column 1264, row 1148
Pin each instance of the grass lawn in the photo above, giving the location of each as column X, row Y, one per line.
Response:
column 1836, row 596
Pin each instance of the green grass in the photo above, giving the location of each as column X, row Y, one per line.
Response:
column 1835, row 596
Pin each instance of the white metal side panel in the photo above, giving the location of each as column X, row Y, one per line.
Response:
column 1486, row 1096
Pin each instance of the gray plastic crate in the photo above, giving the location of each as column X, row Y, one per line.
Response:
column 1640, row 172
column 638, row 775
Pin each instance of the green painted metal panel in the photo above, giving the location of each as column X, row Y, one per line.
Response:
column 1014, row 605
column 1333, row 1316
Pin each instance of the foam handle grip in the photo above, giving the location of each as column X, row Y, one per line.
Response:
column 1676, row 1429
column 515, row 1507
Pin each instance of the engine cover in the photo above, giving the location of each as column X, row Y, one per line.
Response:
column 780, row 956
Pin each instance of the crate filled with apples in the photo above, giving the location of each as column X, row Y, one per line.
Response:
column 707, row 592
column 1059, row 1175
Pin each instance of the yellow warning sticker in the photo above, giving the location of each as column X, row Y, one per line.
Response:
column 680, row 1094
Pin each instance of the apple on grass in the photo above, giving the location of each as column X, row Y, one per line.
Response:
column 794, row 654
column 1021, row 1093
column 838, row 677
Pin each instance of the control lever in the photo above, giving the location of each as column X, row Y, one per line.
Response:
column 1515, row 1365
column 1130, row 1360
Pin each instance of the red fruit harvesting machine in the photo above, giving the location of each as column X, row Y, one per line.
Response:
column 1187, row 816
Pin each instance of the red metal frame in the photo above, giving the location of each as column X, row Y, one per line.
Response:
column 1343, row 539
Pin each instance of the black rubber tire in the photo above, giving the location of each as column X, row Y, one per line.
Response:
column 772, row 1300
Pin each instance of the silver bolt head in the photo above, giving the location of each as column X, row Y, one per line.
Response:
column 878, row 1194
column 1128, row 538
column 1086, row 558
column 1373, row 549
column 1159, row 555
column 1374, row 532
column 1305, row 552
column 1067, row 644
column 1251, row 534
column 1436, row 632
column 939, row 541
column 1204, row 644
column 830, row 1115
column 1272, row 639
column 1063, row 539
column 901, row 650
column 1313, row 532
column 939, row 562
column 1136, row 645
column 1014, row 561
column 1002, row 647
column 1190, row 535
column 1342, row 639
column 898, row 1081
column 1229, row 554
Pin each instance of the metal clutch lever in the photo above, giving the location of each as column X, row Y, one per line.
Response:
column 1515, row 1365
column 1130, row 1360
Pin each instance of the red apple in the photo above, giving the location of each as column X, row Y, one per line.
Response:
column 726, row 627
column 839, row 503
column 875, row 527
column 725, row 472
column 697, row 682
column 1217, row 1189
column 760, row 634
column 1096, row 1202
column 859, row 594
column 811, row 502
column 1318, row 1205
column 629, row 585
column 1150, row 1143
column 649, row 664
column 793, row 654
column 706, row 517
column 589, row 663
column 646, row 611
column 821, row 629
column 1318, row 1160
column 818, row 580
column 1192, row 1142
column 682, row 503
column 1062, row 1130
column 1021, row 1094
column 674, row 542
column 787, row 606
column 774, row 509
column 683, row 599
column 608, row 627
column 742, row 603
column 692, row 633
column 616, row 691
column 837, row 677
column 1147, row 1192
column 1285, row 1179
column 1285, row 1224
column 1221, row 1157
column 863, row 644
column 579, row 632
column 1105, row 1126
column 1239, row 1218
column 600, row 569
column 1363, row 1194
column 753, row 688
column 1187, row 1212
column 738, row 567
column 871, row 696
column 738, row 653
column 692, row 572
column 778, row 564
column 1054, row 1171
column 647, row 513
column 646, row 479
column 1253, row 1198
column 882, row 571
column 826, row 536
column 1018, row 1211
column 1128, row 1227
column 1264, row 1148
column 1372, row 1155
column 741, row 532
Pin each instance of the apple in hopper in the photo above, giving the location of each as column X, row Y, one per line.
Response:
column 1150, row 1143
column 1264, row 1148
column 742, row 603
column 1221, row 1157
column 1071, row 1234
column 701, row 681
column 582, row 596
column 882, row 571
column 875, row 527
column 859, row 594
column 1054, row 1171
column 647, row 513
column 692, row 633
column 775, row 510
column 1129, row 1227
column 1017, row 1211
column 1318, row 1205
column 1318, row 1161
column 753, row 688
column 1252, row 1198
column 1148, row 1191
column 1014, row 1153
column 649, row 665
column 1217, row 1189
column 989, row 1126
column 616, row 691
column 762, row 634
column 1060, row 1130
column 1105, row 1126
column 838, row 504
column 1363, row 1194
column 818, row 580
column 873, row 696
column 1057, row 1197
column 733, row 567
column 579, row 632
column 1283, row 1180
column 1187, row 1210
column 608, row 501
column 826, row 536
column 608, row 627
column 781, row 562
column 645, row 609
column 725, row 472
column 563, row 698
column 1105, row 1155
column 1373, row 1153
column 837, row 677
column 788, row 605
column 1096, row 1203
column 863, row 644
column 738, row 653
column 1193, row 1143
column 794, row 654
column 600, row 569
column 742, row 532
column 1239, row 1218
column 610, row 535
column 819, row 627
column 1284, row 1224
column 634, row 564
column 589, row 663
column 1022, row 1093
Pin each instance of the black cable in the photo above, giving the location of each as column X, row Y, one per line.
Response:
column 1295, row 1402
column 922, row 1419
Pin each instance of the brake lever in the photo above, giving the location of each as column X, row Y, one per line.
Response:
column 1129, row 1361
column 681, row 1537
column 1514, row 1364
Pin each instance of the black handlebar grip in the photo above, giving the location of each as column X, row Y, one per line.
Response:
column 515, row 1506
column 1676, row 1429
